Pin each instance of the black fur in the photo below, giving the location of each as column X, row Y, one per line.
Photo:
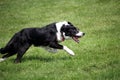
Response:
column 45, row 36
column 23, row 39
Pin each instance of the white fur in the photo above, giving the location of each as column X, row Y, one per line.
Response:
column 68, row 50
column 79, row 34
column 2, row 59
column 58, row 27
column 66, row 37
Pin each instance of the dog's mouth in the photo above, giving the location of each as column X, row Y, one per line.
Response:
column 76, row 38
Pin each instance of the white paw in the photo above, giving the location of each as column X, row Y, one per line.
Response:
column 68, row 50
column 72, row 53
column 2, row 59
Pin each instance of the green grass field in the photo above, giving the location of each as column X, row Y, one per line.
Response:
column 97, row 55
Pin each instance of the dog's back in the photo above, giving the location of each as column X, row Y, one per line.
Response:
column 48, row 36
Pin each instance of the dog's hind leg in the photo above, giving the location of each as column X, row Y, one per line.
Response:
column 9, row 53
column 21, row 52
column 2, row 51
column 6, row 56
column 2, row 59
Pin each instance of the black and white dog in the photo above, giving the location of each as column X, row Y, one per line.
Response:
column 48, row 36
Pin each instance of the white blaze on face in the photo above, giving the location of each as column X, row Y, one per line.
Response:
column 77, row 36
column 58, row 27
column 80, row 34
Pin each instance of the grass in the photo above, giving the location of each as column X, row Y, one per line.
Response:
column 97, row 56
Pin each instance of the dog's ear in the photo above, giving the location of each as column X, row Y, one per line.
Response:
column 69, row 22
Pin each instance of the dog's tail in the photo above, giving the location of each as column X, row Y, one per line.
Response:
column 2, row 51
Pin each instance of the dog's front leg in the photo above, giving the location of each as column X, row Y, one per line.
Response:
column 58, row 46
column 68, row 50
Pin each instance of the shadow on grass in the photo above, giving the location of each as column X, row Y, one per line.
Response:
column 44, row 59
column 39, row 58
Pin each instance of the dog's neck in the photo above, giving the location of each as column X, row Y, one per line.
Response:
column 60, row 35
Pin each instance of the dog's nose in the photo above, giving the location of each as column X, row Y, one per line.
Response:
column 83, row 34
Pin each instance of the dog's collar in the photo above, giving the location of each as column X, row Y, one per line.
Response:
column 63, row 38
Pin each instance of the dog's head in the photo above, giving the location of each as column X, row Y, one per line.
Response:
column 68, row 30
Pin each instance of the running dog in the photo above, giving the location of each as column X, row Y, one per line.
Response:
column 48, row 36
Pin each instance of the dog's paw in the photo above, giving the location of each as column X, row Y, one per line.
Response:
column 68, row 50
column 2, row 59
column 71, row 53
column 51, row 50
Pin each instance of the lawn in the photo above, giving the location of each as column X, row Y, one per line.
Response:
column 97, row 55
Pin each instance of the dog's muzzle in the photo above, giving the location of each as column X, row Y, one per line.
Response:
column 77, row 36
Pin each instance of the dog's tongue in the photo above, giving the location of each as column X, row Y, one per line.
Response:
column 76, row 39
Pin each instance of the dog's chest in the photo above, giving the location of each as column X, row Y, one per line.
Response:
column 60, row 38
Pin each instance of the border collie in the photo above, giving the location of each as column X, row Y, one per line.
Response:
column 49, row 36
